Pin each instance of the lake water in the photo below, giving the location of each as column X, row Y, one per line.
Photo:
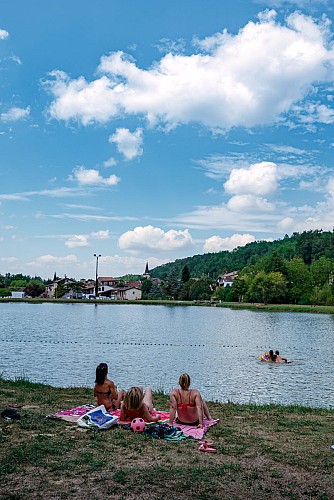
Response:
column 61, row 344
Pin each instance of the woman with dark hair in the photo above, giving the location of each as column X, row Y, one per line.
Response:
column 272, row 356
column 187, row 404
column 105, row 390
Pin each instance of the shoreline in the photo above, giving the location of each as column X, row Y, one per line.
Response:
column 260, row 449
column 25, row 382
column 312, row 309
column 21, row 379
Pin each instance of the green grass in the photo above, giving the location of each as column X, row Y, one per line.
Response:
column 314, row 309
column 260, row 450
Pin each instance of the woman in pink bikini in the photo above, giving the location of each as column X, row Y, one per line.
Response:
column 187, row 404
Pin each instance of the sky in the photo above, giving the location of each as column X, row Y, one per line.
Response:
column 147, row 131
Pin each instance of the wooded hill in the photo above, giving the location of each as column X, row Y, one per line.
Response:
column 308, row 246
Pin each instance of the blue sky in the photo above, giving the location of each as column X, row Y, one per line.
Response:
column 150, row 131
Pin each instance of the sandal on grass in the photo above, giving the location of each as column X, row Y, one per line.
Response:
column 207, row 447
column 205, row 442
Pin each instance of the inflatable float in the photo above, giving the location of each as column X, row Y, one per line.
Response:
column 265, row 357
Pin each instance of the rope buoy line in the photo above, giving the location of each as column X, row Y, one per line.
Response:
column 126, row 343
column 55, row 342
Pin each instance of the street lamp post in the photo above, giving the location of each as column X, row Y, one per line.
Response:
column 96, row 275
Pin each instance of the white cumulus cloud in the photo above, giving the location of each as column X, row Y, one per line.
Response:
column 218, row 244
column 77, row 241
column 52, row 259
column 250, row 203
column 103, row 234
column 83, row 240
column 154, row 238
column 128, row 143
column 286, row 224
column 91, row 177
column 3, row 34
column 246, row 79
column 110, row 162
column 15, row 114
column 258, row 179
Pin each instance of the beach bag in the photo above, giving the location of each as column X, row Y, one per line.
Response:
column 10, row 414
column 98, row 418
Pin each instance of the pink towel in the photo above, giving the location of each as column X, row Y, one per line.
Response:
column 73, row 414
column 195, row 432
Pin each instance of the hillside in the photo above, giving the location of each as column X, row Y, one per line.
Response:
column 309, row 246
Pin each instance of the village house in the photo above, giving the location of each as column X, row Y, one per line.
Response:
column 227, row 279
column 107, row 289
column 50, row 289
column 18, row 294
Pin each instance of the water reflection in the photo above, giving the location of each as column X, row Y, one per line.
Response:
column 61, row 344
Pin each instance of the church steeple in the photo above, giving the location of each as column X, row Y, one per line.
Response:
column 147, row 273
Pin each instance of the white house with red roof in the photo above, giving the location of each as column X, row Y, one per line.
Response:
column 227, row 279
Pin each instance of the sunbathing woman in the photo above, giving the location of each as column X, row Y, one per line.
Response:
column 188, row 404
column 137, row 404
column 105, row 390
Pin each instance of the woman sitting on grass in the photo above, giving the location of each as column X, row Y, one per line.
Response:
column 137, row 404
column 187, row 404
column 105, row 390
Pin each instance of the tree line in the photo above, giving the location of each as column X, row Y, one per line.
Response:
column 297, row 269
column 33, row 287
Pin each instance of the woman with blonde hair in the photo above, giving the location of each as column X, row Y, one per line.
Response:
column 137, row 404
column 187, row 404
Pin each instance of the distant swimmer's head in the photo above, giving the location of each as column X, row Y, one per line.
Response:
column 184, row 381
column 277, row 352
column 101, row 373
column 272, row 356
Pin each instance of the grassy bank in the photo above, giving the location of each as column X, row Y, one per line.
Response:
column 314, row 309
column 280, row 307
column 263, row 452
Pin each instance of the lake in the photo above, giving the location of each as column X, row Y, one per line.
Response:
column 61, row 344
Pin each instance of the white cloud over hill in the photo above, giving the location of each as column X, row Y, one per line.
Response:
column 218, row 244
column 155, row 239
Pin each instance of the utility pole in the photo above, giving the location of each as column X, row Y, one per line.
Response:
column 96, row 275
